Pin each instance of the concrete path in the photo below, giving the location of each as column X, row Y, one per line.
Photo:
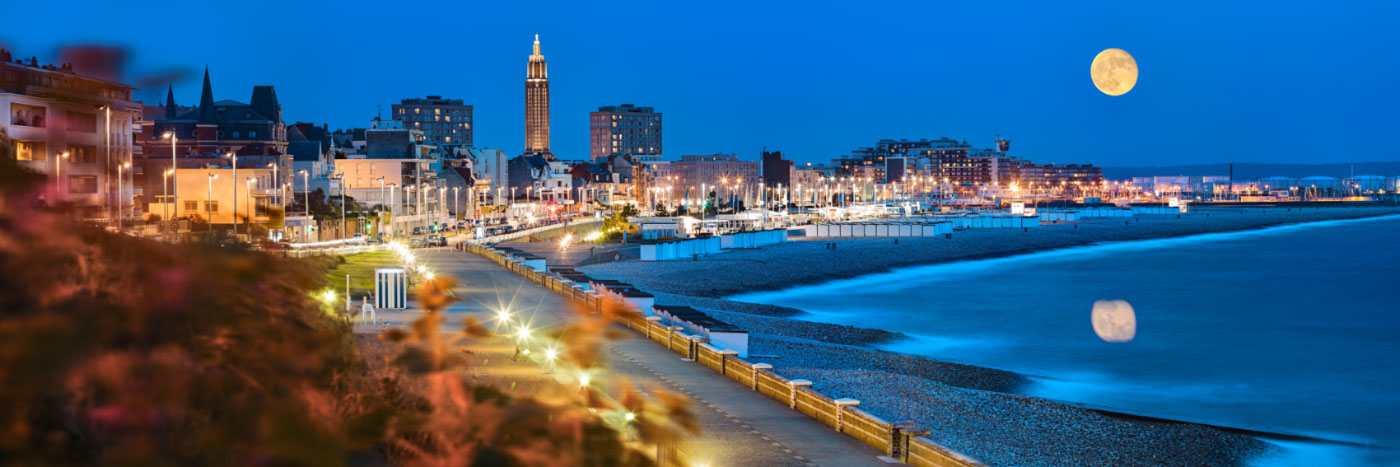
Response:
column 741, row 427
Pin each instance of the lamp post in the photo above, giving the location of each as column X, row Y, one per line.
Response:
column 249, row 198
column 165, row 193
column 120, row 169
column 273, row 165
column 343, row 225
column 392, row 205
column 234, row 156
column 174, row 175
column 209, row 205
column 306, row 184
column 58, row 176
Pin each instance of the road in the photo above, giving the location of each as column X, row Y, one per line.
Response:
column 741, row 427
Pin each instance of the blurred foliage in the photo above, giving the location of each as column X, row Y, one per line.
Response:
column 123, row 351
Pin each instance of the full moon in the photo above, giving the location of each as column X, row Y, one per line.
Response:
column 1114, row 320
column 1114, row 72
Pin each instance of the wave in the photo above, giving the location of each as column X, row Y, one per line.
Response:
column 900, row 279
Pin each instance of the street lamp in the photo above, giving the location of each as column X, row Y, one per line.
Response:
column 209, row 205
column 58, row 175
column 234, row 156
column 249, row 199
column 273, row 165
column 165, row 193
column 120, row 169
column 343, row 225
column 456, row 204
column 174, row 175
column 306, row 184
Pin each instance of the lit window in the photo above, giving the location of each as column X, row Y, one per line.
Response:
column 31, row 150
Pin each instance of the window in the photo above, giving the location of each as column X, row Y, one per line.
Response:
column 191, row 205
column 212, row 206
column 28, row 115
column 82, row 122
column 82, row 154
column 82, row 184
column 252, row 134
column 31, row 151
column 236, row 134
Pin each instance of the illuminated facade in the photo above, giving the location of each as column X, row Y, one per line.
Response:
column 54, row 110
column 625, row 130
column 446, row 123
column 537, row 105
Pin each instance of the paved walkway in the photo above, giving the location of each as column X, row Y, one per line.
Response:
column 741, row 427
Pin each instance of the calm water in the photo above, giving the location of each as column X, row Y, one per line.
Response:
column 1288, row 329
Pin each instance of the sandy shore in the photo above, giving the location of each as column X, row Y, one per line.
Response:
column 971, row 409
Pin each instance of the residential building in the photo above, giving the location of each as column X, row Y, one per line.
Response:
column 490, row 167
column 207, row 134
column 445, row 123
column 53, row 111
column 625, row 130
column 211, row 193
column 690, row 172
column 533, row 177
column 1066, row 179
column 776, row 170
column 537, row 104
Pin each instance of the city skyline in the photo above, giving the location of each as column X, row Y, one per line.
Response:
column 1221, row 89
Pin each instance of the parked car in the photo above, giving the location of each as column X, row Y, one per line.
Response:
column 418, row 231
column 417, row 243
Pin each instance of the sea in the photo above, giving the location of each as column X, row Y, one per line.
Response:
column 1291, row 329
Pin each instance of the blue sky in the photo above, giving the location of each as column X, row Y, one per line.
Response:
column 1220, row 81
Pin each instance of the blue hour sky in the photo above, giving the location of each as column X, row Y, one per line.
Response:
column 1220, row 81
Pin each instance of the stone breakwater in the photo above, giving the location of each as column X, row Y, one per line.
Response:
column 970, row 409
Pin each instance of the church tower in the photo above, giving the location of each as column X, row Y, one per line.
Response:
column 537, row 105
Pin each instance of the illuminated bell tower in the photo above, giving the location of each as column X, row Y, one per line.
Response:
column 537, row 105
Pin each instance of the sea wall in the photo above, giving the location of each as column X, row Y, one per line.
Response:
column 901, row 441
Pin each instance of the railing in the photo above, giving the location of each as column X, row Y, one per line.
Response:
column 523, row 233
column 902, row 441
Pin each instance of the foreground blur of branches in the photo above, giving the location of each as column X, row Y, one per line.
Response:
column 116, row 350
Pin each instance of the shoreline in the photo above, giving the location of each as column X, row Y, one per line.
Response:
column 974, row 409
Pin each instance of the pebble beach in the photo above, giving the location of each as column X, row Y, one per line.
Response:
column 971, row 409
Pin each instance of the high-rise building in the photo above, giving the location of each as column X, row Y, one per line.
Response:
column 537, row 105
column 776, row 170
column 625, row 130
column 445, row 123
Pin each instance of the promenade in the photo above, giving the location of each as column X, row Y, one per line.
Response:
column 740, row 426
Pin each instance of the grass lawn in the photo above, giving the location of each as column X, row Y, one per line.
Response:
column 360, row 267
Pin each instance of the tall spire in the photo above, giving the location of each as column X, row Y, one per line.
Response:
column 537, row 104
column 206, row 101
column 170, row 102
